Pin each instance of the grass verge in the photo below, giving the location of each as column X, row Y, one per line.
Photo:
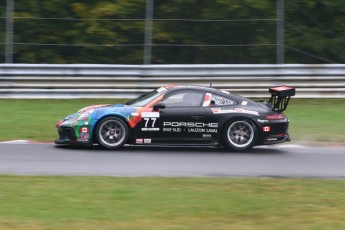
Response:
column 36, row 119
column 317, row 120
column 38, row 202
column 312, row 120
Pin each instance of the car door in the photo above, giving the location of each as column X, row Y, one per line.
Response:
column 184, row 119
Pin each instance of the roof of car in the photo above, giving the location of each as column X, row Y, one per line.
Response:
column 189, row 87
column 195, row 87
column 174, row 87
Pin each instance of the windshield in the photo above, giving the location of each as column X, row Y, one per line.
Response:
column 144, row 99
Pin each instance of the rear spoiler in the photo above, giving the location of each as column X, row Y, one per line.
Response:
column 280, row 97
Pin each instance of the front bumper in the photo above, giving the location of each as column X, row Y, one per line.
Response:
column 74, row 135
column 70, row 142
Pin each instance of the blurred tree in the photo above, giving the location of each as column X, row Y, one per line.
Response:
column 315, row 31
column 66, row 31
column 233, row 31
column 184, row 31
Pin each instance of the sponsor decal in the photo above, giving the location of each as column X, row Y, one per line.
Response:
column 190, row 124
column 149, row 129
column 139, row 141
column 266, row 128
column 86, row 123
column 201, row 130
column 82, row 140
column 84, row 129
column 147, row 141
column 272, row 139
column 190, row 127
column 135, row 114
column 149, row 119
column 215, row 110
column 262, row 121
column 207, row 100
column 236, row 110
column 207, row 136
column 84, row 135
column 150, row 114
column 244, row 103
column 172, row 130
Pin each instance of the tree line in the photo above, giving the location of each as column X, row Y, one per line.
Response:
column 183, row 32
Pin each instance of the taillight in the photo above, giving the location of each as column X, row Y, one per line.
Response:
column 278, row 116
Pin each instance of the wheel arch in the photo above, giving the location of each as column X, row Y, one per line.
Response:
column 236, row 118
column 123, row 118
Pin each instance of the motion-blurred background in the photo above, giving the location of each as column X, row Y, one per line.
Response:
column 172, row 32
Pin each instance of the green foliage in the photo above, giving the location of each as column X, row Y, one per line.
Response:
column 315, row 27
column 217, row 31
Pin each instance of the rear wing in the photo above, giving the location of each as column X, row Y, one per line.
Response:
column 280, row 97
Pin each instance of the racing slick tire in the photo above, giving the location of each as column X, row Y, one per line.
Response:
column 112, row 133
column 240, row 135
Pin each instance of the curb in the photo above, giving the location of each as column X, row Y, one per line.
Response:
column 19, row 142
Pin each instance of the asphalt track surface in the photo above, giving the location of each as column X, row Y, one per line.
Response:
column 288, row 161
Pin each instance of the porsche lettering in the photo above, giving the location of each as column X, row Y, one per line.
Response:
column 190, row 124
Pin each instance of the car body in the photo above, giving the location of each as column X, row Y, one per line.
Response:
column 182, row 115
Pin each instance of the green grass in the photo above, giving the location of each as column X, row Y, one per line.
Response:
column 312, row 120
column 170, row 203
column 36, row 119
column 316, row 120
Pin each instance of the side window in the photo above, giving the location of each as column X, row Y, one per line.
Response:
column 184, row 99
column 219, row 101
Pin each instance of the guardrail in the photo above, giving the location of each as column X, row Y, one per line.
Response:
column 128, row 81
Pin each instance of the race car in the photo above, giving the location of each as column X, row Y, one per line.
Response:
column 182, row 115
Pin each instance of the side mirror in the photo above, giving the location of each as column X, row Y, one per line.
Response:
column 158, row 106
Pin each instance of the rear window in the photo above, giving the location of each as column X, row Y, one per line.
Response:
column 219, row 100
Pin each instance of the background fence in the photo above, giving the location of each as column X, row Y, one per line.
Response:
column 172, row 32
column 128, row 81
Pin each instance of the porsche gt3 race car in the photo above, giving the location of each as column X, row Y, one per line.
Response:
column 182, row 115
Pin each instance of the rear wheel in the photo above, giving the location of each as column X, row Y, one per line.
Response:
column 240, row 135
column 112, row 133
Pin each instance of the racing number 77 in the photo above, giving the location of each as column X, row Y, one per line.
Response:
column 147, row 120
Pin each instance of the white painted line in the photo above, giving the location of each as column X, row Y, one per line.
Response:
column 282, row 146
column 15, row 142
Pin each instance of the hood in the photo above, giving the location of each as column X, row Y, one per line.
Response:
column 92, row 107
column 82, row 114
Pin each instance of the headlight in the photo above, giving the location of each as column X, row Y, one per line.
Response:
column 73, row 115
column 85, row 114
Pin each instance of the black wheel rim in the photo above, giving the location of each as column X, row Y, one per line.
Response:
column 112, row 133
column 240, row 134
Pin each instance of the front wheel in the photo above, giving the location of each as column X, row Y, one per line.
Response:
column 112, row 133
column 240, row 135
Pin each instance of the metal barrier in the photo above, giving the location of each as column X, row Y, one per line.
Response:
column 128, row 81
